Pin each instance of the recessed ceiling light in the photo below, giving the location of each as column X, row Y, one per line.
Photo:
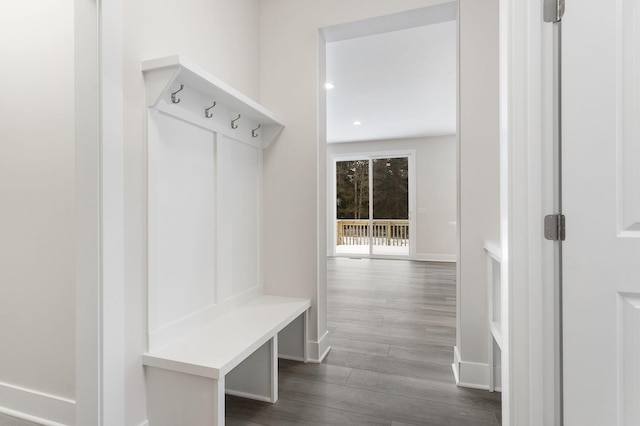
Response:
column 356, row 123
column 328, row 86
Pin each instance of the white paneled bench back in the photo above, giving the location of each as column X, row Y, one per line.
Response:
column 211, row 329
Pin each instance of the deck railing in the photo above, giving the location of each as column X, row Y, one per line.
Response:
column 386, row 232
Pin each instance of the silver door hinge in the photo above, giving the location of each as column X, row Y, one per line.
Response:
column 553, row 10
column 554, row 227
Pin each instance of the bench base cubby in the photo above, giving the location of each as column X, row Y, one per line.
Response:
column 236, row 354
column 176, row 398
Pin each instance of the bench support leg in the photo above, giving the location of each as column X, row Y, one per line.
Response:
column 274, row 369
column 218, row 393
column 175, row 398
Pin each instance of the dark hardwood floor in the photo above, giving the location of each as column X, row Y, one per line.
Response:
column 392, row 326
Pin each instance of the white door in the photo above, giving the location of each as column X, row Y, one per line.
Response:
column 601, row 197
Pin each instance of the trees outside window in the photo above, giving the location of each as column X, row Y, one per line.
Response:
column 390, row 188
column 352, row 189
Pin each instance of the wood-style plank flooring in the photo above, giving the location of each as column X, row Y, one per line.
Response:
column 392, row 326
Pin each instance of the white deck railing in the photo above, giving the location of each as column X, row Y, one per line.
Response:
column 385, row 232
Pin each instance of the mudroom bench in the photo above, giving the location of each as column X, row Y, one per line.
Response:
column 211, row 329
column 235, row 354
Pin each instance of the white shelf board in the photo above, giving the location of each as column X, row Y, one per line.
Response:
column 164, row 75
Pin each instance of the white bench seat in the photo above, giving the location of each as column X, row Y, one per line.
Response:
column 247, row 334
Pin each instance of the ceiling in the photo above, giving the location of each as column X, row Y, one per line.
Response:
column 397, row 84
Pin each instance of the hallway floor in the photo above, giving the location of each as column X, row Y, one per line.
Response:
column 392, row 326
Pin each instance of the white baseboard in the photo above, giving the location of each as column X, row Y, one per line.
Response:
column 36, row 407
column 497, row 378
column 291, row 357
column 145, row 423
column 456, row 364
column 456, row 376
column 469, row 374
column 428, row 257
column 249, row 395
column 319, row 350
column 324, row 354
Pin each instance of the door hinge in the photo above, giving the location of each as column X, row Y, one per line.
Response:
column 554, row 227
column 553, row 10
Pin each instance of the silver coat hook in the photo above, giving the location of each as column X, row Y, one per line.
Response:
column 206, row 111
column 173, row 95
column 233, row 122
column 254, row 132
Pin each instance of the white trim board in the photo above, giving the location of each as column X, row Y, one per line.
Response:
column 456, row 364
column 320, row 349
column 436, row 257
column 526, row 107
column 49, row 410
column 471, row 375
column 397, row 21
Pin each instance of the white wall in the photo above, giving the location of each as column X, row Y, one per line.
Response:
column 220, row 36
column 37, row 286
column 294, row 211
column 479, row 178
column 436, row 190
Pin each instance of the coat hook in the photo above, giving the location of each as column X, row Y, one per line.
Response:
column 206, row 111
column 254, row 132
column 233, row 122
column 173, row 95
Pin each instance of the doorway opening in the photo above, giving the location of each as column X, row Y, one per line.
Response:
column 473, row 66
column 389, row 98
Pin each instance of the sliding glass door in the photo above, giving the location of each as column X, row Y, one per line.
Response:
column 390, row 202
column 372, row 206
column 352, row 207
